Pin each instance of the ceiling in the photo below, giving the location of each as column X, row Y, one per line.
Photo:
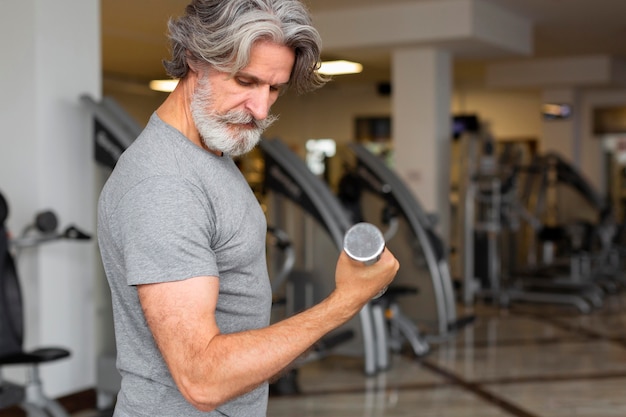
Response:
column 134, row 42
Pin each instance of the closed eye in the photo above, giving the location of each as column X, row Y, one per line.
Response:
column 244, row 82
column 280, row 88
column 254, row 82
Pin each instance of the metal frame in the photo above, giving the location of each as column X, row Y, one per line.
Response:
column 423, row 229
column 294, row 180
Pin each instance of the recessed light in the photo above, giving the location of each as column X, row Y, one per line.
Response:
column 340, row 67
column 166, row 86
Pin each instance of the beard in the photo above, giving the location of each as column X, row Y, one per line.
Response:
column 234, row 133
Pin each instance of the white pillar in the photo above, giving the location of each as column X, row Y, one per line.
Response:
column 421, row 99
column 50, row 56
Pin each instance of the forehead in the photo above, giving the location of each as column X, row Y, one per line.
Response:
column 270, row 62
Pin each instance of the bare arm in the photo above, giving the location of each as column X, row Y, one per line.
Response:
column 211, row 368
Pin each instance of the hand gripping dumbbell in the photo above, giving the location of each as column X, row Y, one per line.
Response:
column 363, row 242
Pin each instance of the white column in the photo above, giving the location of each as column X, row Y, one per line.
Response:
column 421, row 99
column 50, row 56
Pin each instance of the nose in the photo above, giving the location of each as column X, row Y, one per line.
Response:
column 259, row 102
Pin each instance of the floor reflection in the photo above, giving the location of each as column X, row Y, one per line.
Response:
column 525, row 361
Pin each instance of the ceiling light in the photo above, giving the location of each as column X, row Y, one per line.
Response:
column 340, row 67
column 166, row 86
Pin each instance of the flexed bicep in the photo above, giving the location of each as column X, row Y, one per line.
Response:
column 181, row 317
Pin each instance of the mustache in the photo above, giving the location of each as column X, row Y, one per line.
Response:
column 242, row 117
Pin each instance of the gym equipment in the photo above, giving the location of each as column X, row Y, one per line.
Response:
column 427, row 248
column 593, row 251
column 400, row 327
column 365, row 243
column 10, row 309
column 485, row 236
column 493, row 210
column 114, row 129
column 287, row 175
column 282, row 242
column 287, row 384
column 30, row 397
column 45, row 226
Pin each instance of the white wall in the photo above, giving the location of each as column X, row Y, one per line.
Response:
column 330, row 112
column 509, row 113
column 46, row 162
column 327, row 113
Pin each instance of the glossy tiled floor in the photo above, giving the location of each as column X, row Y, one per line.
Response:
column 528, row 361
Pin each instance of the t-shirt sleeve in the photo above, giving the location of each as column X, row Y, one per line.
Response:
column 165, row 230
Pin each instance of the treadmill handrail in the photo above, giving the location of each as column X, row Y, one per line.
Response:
column 337, row 224
column 421, row 226
column 334, row 219
column 398, row 190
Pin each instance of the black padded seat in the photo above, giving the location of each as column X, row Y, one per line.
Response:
column 41, row 355
column 31, row 396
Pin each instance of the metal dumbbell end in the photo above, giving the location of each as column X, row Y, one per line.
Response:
column 363, row 242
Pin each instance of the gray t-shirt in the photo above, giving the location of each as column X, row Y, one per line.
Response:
column 171, row 211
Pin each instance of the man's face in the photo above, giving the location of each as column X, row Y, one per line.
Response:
column 230, row 113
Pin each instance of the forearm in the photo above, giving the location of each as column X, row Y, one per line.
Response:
column 211, row 368
column 233, row 364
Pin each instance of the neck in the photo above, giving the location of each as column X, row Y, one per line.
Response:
column 176, row 111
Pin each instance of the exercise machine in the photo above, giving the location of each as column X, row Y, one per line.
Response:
column 114, row 129
column 281, row 250
column 286, row 175
column 430, row 275
column 495, row 209
column 30, row 397
column 592, row 228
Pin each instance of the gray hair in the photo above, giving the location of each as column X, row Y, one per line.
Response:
column 222, row 33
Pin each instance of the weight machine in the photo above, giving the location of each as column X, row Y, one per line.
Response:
column 497, row 204
column 30, row 397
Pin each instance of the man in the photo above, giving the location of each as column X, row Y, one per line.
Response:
column 182, row 237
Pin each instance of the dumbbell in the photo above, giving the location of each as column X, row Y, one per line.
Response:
column 364, row 243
